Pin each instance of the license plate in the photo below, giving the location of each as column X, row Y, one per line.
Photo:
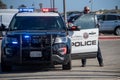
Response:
column 35, row 54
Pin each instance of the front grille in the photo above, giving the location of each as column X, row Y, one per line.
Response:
column 37, row 42
column 41, row 43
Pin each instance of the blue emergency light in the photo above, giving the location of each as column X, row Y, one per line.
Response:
column 26, row 36
column 14, row 42
column 26, row 9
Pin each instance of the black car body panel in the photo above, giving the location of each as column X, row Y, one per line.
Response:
column 38, row 41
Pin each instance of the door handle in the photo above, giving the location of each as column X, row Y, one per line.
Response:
column 92, row 33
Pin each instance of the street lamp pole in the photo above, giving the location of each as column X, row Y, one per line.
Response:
column 91, row 2
column 51, row 3
column 64, row 11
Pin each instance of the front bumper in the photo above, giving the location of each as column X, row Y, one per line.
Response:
column 20, row 53
column 14, row 55
column 55, row 59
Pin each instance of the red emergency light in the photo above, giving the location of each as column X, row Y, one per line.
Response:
column 48, row 9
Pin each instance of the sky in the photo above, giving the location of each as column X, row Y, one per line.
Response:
column 71, row 5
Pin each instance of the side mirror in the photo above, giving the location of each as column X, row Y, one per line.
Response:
column 74, row 28
column 70, row 24
column 3, row 30
column 98, row 25
column 3, row 27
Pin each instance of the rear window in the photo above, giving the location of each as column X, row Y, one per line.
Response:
column 37, row 23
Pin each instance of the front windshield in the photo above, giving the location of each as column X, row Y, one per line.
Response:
column 37, row 23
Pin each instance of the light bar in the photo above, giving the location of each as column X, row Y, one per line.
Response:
column 48, row 9
column 26, row 10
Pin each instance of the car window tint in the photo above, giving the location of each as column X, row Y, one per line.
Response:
column 37, row 23
column 111, row 17
column 86, row 21
column 73, row 18
column 101, row 17
column 118, row 17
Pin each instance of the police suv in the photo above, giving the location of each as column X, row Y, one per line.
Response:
column 43, row 38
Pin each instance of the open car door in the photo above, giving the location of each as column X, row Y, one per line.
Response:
column 85, row 41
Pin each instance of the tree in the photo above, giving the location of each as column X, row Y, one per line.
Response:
column 2, row 5
column 11, row 7
column 22, row 6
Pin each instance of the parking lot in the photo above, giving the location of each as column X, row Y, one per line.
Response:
column 50, row 31
column 110, row 71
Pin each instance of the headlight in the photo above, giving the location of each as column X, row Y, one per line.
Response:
column 61, row 40
column 11, row 40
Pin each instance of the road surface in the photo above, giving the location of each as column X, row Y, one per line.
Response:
column 111, row 70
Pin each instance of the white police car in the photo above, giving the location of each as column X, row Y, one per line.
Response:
column 43, row 38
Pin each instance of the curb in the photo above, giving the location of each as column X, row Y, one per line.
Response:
column 109, row 37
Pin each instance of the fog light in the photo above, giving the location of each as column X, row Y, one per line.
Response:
column 8, row 51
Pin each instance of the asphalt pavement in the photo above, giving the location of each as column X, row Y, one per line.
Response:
column 110, row 47
column 111, row 70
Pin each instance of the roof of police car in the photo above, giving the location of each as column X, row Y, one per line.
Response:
column 37, row 14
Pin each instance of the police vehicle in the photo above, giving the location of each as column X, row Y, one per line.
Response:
column 43, row 38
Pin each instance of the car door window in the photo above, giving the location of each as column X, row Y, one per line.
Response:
column 111, row 17
column 118, row 17
column 86, row 21
column 101, row 17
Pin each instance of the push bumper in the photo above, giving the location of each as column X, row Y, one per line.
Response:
column 60, row 59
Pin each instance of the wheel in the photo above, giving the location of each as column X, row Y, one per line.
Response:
column 68, row 65
column 5, row 67
column 117, row 31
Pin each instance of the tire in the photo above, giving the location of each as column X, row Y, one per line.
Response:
column 5, row 67
column 117, row 31
column 68, row 65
